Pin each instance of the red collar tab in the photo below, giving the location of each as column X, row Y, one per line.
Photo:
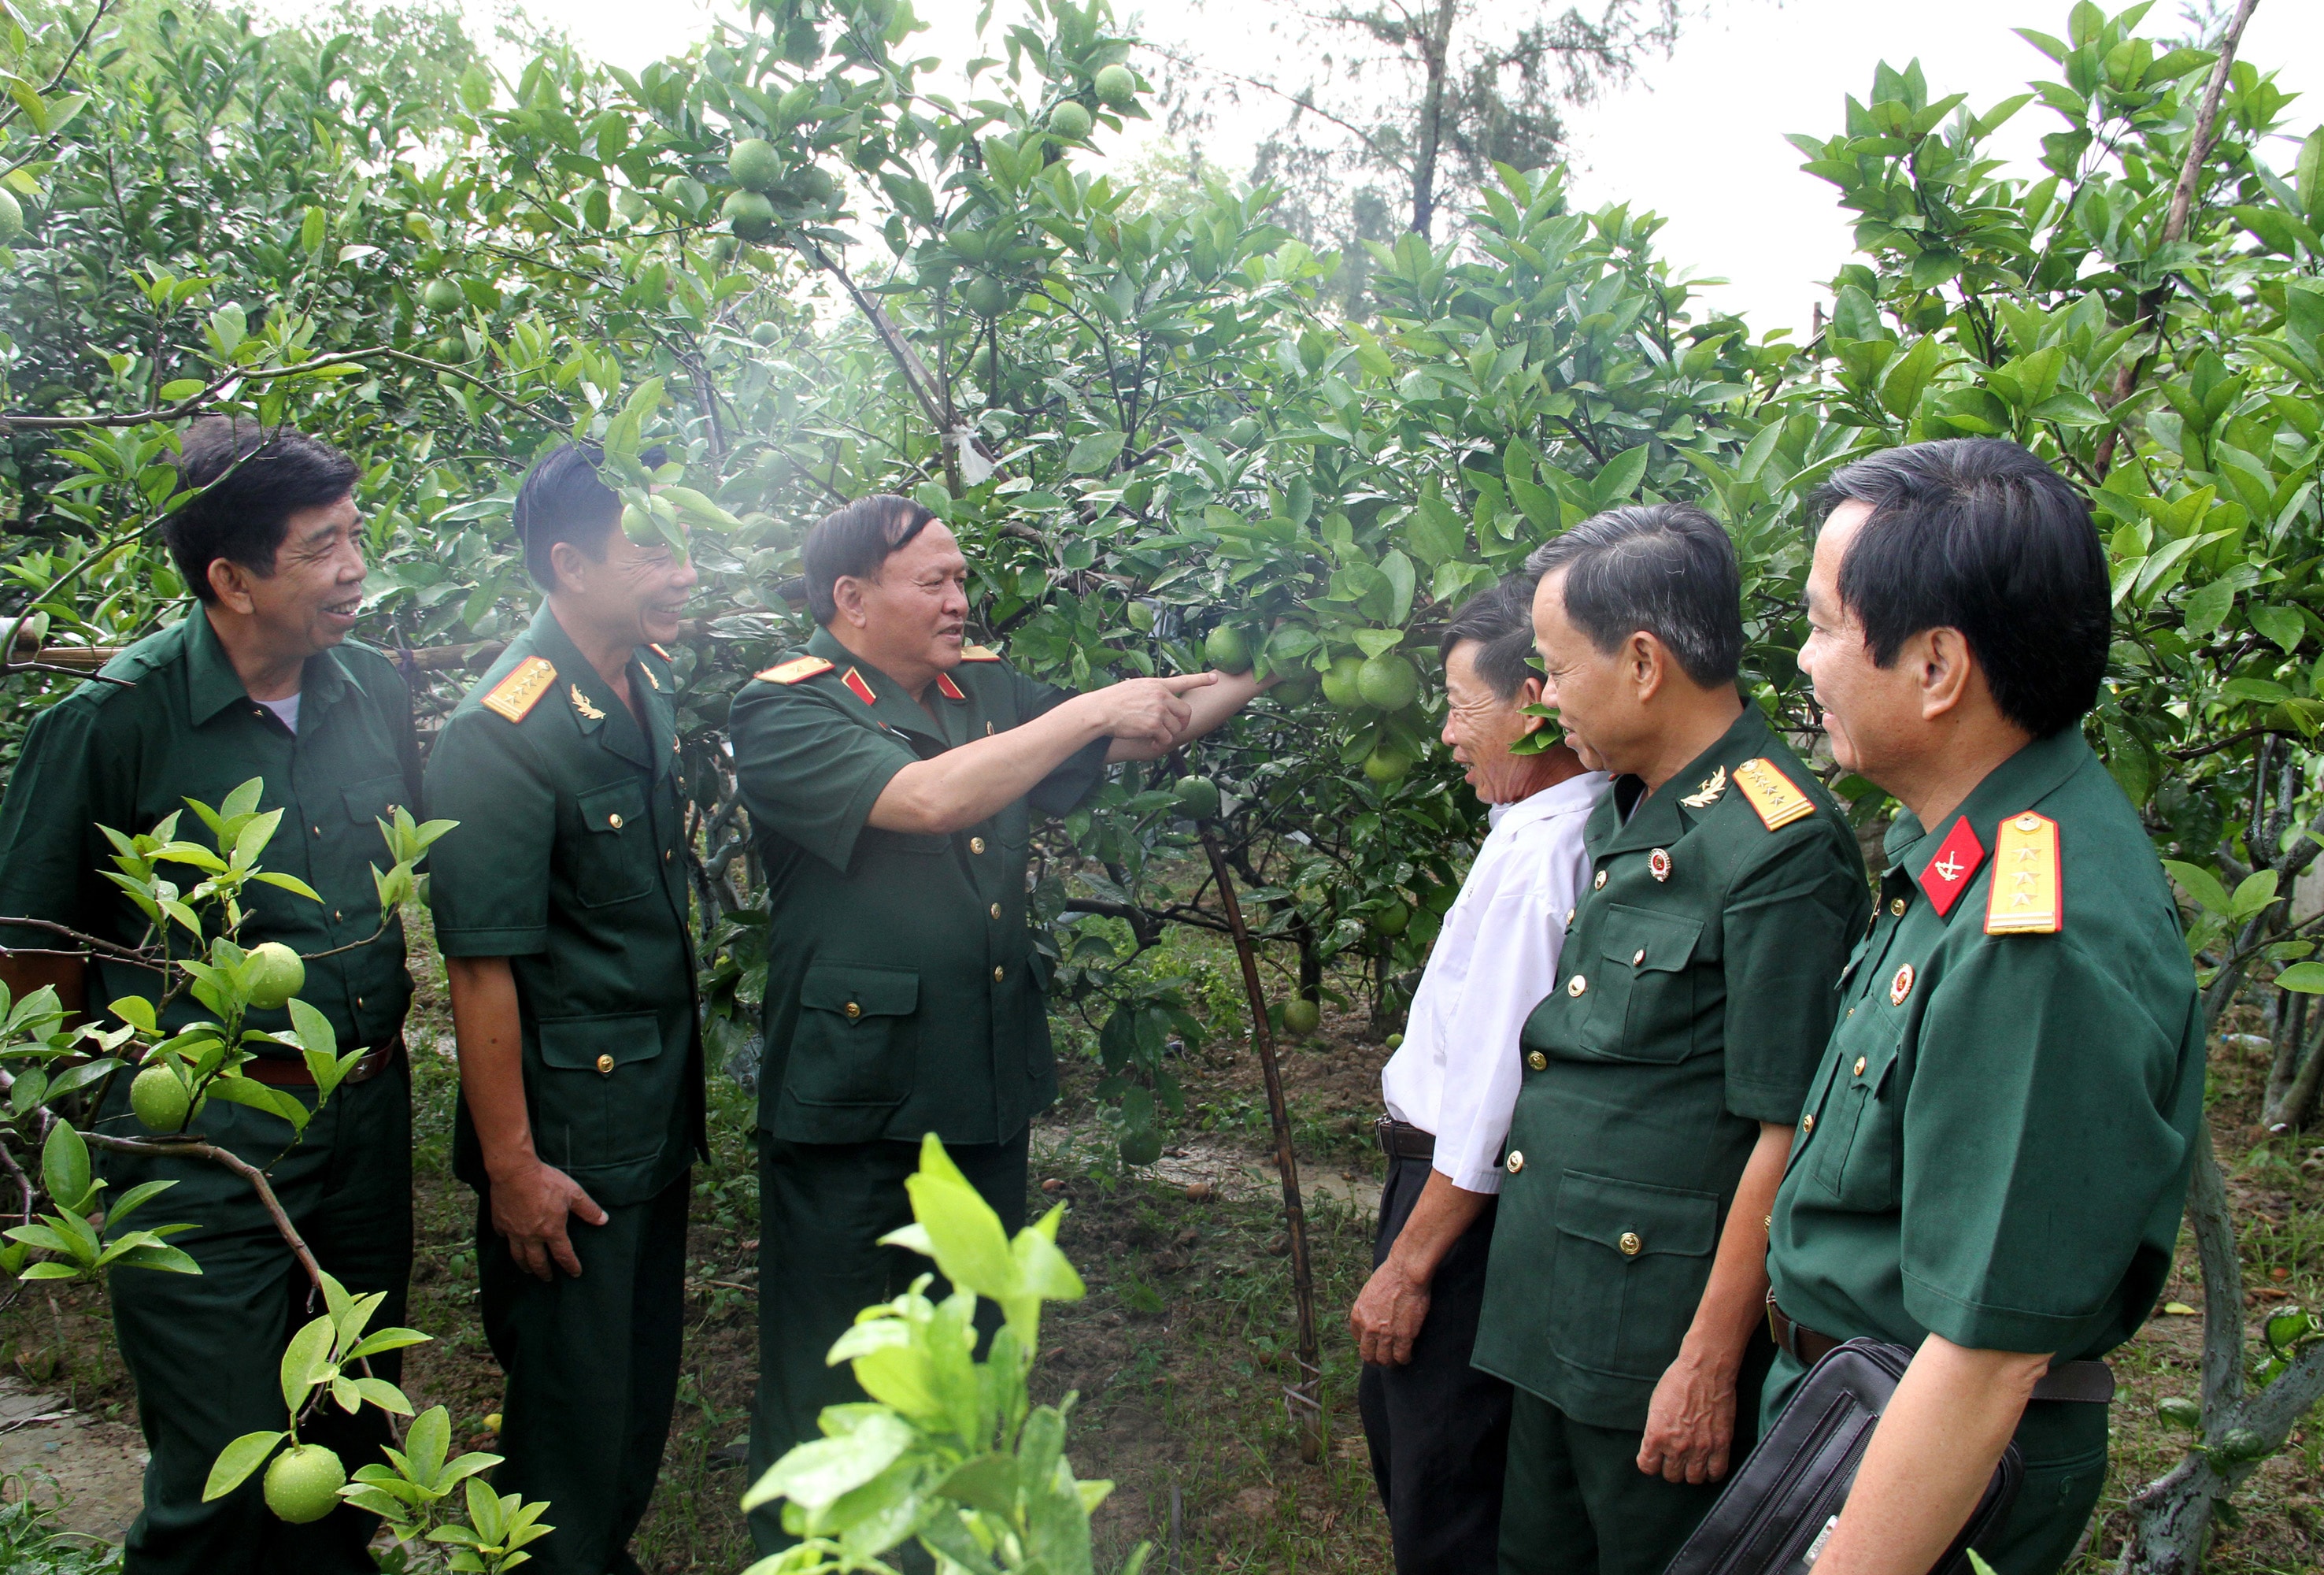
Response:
column 854, row 681
column 946, row 687
column 1946, row 876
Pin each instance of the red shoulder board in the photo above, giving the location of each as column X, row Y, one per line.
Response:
column 1950, row 870
column 794, row 670
column 863, row 690
column 946, row 687
column 978, row 653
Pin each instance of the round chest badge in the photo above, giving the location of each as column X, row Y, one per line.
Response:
column 1659, row 864
column 1901, row 986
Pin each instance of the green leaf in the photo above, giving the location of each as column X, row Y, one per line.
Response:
column 2202, row 885
column 2306, row 978
column 64, row 1168
column 237, row 1460
column 1094, row 452
column 2281, row 624
column 1619, row 478
column 814, row 1474
column 2257, row 892
column 303, row 1360
column 1900, row 390
column 964, row 1234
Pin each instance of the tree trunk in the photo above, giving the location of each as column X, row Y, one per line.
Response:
column 1434, row 48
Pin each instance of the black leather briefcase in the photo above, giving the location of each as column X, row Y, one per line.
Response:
column 1781, row 1504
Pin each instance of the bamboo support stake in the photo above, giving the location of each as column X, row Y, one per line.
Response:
column 1304, row 1399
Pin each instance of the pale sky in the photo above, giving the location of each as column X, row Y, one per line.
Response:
column 1700, row 137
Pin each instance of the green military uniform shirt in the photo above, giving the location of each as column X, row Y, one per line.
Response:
column 570, row 861
column 904, row 995
column 126, row 757
column 1695, row 997
column 1996, row 1147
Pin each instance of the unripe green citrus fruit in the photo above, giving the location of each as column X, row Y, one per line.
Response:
column 1301, row 1017
column 765, row 333
column 1227, row 650
column 443, row 295
column 1198, row 796
column 1387, row 762
column 752, row 216
column 1117, row 87
column 1295, row 689
column 276, row 974
column 1070, row 121
column 809, row 187
column 450, row 347
column 1394, row 1040
column 1140, row 1148
column 11, row 212
column 161, row 1099
column 1393, row 918
column 303, row 1483
column 637, row 525
column 754, row 164
column 1339, row 683
column 984, row 296
column 1388, row 682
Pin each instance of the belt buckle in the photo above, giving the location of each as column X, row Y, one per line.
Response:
column 1383, row 1134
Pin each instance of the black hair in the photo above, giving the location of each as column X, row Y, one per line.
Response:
column 251, row 479
column 562, row 500
column 855, row 540
column 1500, row 620
column 1980, row 535
column 1665, row 568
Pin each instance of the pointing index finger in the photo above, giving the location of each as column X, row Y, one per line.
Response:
column 1184, row 681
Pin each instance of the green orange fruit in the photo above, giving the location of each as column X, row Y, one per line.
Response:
column 1339, row 682
column 1387, row 762
column 754, row 164
column 1387, row 682
column 159, row 1098
column 1227, row 650
column 303, row 1483
column 1117, row 87
column 1393, row 918
column 1198, row 796
column 1301, row 1017
column 274, row 974
column 984, row 296
column 443, row 295
column 750, row 215
column 1070, row 121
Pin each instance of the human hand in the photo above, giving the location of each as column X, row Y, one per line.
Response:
column 1148, row 712
column 1690, row 1424
column 1387, row 1317
column 530, row 1205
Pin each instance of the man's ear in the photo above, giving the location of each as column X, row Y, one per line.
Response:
column 1528, row 694
column 231, row 582
column 1945, row 668
column 847, row 599
column 1648, row 664
column 569, row 566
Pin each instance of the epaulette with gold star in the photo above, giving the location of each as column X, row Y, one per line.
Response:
column 2027, row 896
column 978, row 653
column 1775, row 799
column 796, row 670
column 516, row 696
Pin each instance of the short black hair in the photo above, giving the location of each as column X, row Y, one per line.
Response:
column 1500, row 620
column 562, row 500
column 1980, row 535
column 1665, row 568
column 250, row 480
column 855, row 540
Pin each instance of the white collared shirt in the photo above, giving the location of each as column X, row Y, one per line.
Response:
column 1456, row 1073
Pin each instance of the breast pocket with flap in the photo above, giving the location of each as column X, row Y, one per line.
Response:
column 613, row 857
column 855, row 1041
column 1643, row 986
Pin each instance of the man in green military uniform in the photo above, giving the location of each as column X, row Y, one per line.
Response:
column 1994, row 1156
column 258, row 681
column 891, row 772
column 1662, row 1075
column 560, row 904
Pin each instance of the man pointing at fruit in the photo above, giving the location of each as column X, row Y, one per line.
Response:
column 891, row 770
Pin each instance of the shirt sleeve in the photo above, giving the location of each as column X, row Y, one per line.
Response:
column 1512, row 965
column 1788, row 924
column 1078, row 775
column 488, row 881
column 807, row 773
column 2037, row 1142
column 63, row 787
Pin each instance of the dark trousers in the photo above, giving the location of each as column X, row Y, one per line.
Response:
column 592, row 1369
column 206, row 1350
column 823, row 1207
column 1577, row 1504
column 1439, row 1429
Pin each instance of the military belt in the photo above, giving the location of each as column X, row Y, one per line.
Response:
column 281, row 1072
column 2088, row 1383
column 1401, row 1140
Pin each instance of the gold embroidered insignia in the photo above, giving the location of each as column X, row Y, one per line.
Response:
column 2026, row 896
column 1775, row 797
column 652, row 678
column 581, row 704
column 978, row 653
column 516, row 696
column 796, row 670
column 658, row 651
column 1703, row 797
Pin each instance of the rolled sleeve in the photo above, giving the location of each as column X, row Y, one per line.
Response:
column 2036, row 1146
column 1788, row 925
column 488, row 886
column 808, row 774
column 56, row 796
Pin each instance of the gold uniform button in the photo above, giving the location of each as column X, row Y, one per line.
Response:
column 1538, row 1061
column 976, row 844
column 1630, row 1244
column 1597, row 881
column 988, row 729
column 1896, row 906
column 996, row 910
column 1516, row 1161
column 999, row 973
column 1807, row 1124
column 615, row 820
column 605, row 1064
column 1859, row 1066
column 1576, row 985
column 854, row 1011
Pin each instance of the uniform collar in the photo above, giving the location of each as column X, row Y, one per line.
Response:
column 889, row 702
column 212, row 685
column 2018, row 783
column 1661, row 818
column 581, row 690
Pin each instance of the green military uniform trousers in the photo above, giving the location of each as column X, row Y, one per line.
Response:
column 1996, row 1147
column 823, row 1207
column 206, row 1350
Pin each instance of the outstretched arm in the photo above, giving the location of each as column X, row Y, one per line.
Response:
column 1208, row 708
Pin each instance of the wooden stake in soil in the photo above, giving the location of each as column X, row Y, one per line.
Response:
column 1304, row 1399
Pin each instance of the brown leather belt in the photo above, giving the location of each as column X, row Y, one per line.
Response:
column 2088, row 1383
column 281, row 1072
column 1401, row 1140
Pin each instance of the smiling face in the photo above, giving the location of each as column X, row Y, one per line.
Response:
column 911, row 618
column 1480, row 725
column 309, row 603
column 1594, row 692
column 1870, row 712
column 634, row 595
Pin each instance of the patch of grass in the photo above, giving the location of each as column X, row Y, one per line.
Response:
column 33, row 1540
